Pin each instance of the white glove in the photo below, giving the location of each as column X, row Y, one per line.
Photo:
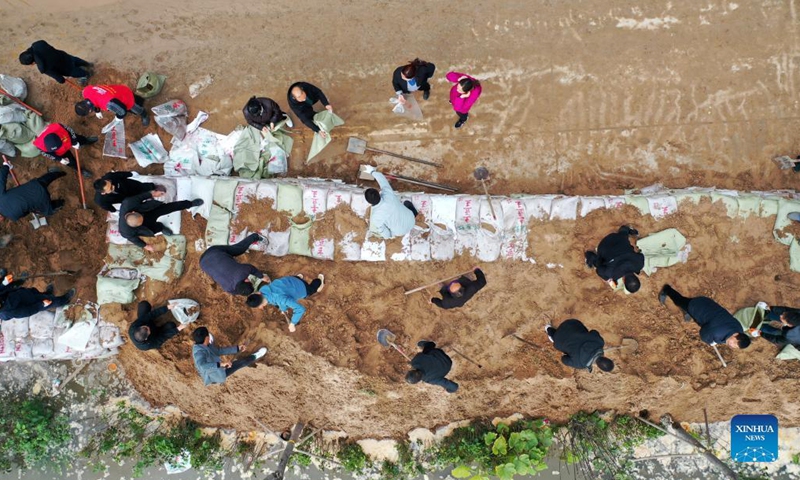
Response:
column 64, row 161
column 369, row 168
column 99, row 115
column 76, row 146
column 10, row 167
column 762, row 305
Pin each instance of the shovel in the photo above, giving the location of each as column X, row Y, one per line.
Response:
column 482, row 174
column 363, row 175
column 26, row 275
column 17, row 100
column 387, row 338
column 628, row 346
column 359, row 147
column 36, row 222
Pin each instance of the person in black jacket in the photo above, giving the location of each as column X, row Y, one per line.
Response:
column 24, row 302
column 459, row 291
column 219, row 263
column 29, row 197
column 145, row 334
column 581, row 348
column 56, row 63
column 717, row 325
column 302, row 96
column 263, row 113
column 617, row 259
column 412, row 77
column 431, row 366
column 114, row 187
column 138, row 217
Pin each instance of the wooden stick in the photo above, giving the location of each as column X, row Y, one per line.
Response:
column 15, row 99
column 73, row 84
column 488, row 199
column 657, row 457
column 708, row 430
column 71, row 376
column 80, row 177
column 437, row 282
column 719, row 355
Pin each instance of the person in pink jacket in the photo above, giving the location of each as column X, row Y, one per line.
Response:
column 463, row 95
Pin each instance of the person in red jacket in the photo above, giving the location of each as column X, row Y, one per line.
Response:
column 56, row 141
column 117, row 99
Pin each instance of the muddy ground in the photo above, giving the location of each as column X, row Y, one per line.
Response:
column 578, row 98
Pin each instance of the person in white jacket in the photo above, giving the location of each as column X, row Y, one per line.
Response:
column 390, row 217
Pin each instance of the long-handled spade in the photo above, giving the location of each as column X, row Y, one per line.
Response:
column 359, row 147
column 80, row 177
column 465, row 357
column 629, row 345
column 482, row 174
column 37, row 221
column 387, row 338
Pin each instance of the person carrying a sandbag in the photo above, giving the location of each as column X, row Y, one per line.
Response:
column 29, row 197
column 145, row 334
column 389, row 217
column 56, row 143
column 302, row 96
column 138, row 216
column 114, row 187
column 117, row 99
column 617, row 260
column 56, row 63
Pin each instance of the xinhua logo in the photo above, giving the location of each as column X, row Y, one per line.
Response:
column 754, row 438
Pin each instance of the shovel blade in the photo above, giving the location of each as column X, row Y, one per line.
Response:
column 385, row 337
column 356, row 145
column 38, row 222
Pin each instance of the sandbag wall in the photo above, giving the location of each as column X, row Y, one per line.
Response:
column 455, row 224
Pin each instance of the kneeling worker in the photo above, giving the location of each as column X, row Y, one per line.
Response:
column 207, row 359
column 616, row 259
column 284, row 293
column 581, row 348
column 431, row 366
column 145, row 334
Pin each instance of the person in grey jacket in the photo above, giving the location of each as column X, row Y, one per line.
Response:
column 207, row 359
column 389, row 217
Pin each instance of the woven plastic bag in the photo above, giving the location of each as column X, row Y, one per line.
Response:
column 150, row 84
column 114, row 145
column 149, row 150
column 185, row 310
column 171, row 116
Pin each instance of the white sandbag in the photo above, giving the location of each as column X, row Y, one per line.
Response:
column 171, row 116
column 42, row 324
column 538, row 206
column 23, row 349
column 278, row 163
column 359, row 204
column 662, row 206
column 423, row 204
column 515, row 217
column 14, row 86
column 267, row 190
column 442, row 243
column 180, row 308
column 42, row 348
column 77, row 336
column 109, row 336
column 182, row 158
column 323, row 249
column 420, row 245
column 17, row 328
column 115, row 290
column 314, row 200
column 590, row 204
column 485, row 212
column 93, row 345
column 490, row 233
column 337, row 197
column 149, row 150
column 373, row 251
column 564, row 208
column 245, row 193
column 12, row 113
column 350, row 247
column 278, row 245
column 60, row 350
column 467, row 223
column 6, row 346
column 7, row 148
column 202, row 188
column 615, row 202
column 443, row 211
column 183, row 188
column 114, row 144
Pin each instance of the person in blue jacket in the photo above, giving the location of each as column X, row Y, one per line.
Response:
column 717, row 325
column 431, row 366
column 207, row 361
column 284, row 293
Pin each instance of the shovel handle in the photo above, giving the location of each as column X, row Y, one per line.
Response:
column 414, row 181
column 17, row 100
column 410, row 159
column 10, row 169
column 73, row 84
column 80, row 177
column 400, row 350
column 488, row 199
